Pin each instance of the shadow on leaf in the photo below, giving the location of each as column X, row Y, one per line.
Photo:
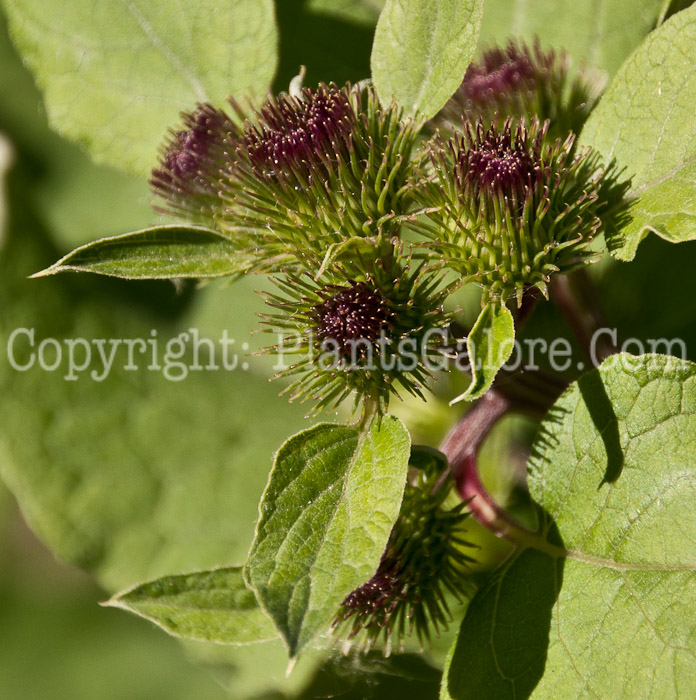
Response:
column 312, row 40
column 503, row 641
column 594, row 394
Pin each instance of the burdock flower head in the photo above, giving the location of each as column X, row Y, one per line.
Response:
column 370, row 329
column 302, row 173
column 507, row 207
column 193, row 159
column 425, row 562
column 297, row 139
column 521, row 81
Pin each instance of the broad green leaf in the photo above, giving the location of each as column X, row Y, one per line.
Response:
column 51, row 621
column 501, row 648
column 131, row 474
column 597, row 34
column 213, row 606
column 161, row 252
column 489, row 345
column 134, row 477
column 603, row 604
column 325, row 518
column 647, row 122
column 115, row 75
column 76, row 198
column 422, row 49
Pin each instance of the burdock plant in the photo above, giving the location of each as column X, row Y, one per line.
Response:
column 375, row 213
column 322, row 188
column 317, row 188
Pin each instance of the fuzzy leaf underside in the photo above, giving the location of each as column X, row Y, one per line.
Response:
column 610, row 609
column 422, row 49
column 325, row 518
column 647, row 122
column 161, row 252
column 116, row 73
column 212, row 606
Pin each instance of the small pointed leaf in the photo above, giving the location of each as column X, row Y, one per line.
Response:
column 213, row 606
column 489, row 344
column 162, row 252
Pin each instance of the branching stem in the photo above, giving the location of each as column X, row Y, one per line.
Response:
column 461, row 445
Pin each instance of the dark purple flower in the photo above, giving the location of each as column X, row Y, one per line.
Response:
column 523, row 82
column 296, row 132
column 508, row 206
column 190, row 158
column 424, row 559
column 381, row 594
column 496, row 162
column 194, row 161
column 353, row 314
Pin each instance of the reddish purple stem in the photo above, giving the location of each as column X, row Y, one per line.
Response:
column 460, row 447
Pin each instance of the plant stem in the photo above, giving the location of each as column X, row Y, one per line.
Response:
column 468, row 434
column 460, row 446
column 483, row 506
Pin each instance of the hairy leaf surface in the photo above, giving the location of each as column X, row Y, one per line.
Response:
column 325, row 518
column 605, row 606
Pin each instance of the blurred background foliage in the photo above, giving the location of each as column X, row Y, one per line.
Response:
column 137, row 476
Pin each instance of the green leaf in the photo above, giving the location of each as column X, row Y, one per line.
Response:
column 75, row 196
column 213, row 606
column 136, row 476
column 325, row 518
column 647, row 122
column 500, row 651
column 82, row 650
column 422, row 49
column 489, row 344
column 603, row 605
column 130, row 474
column 115, row 75
column 598, row 34
column 161, row 252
